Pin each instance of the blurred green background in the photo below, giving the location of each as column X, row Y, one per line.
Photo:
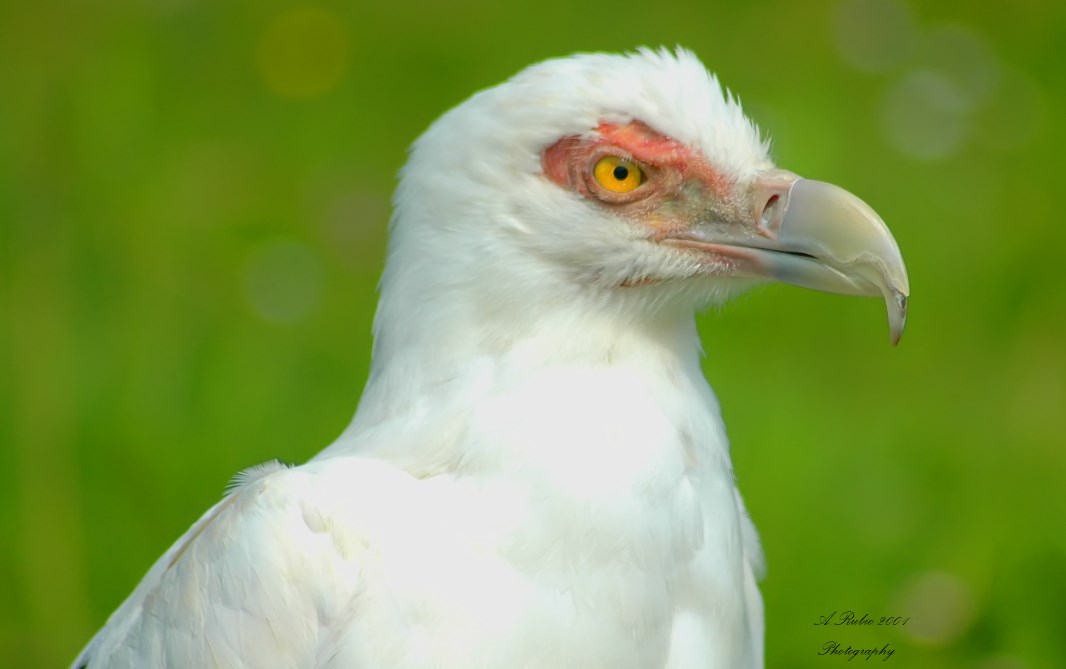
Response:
column 193, row 198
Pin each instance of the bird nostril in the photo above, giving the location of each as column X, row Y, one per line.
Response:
column 769, row 210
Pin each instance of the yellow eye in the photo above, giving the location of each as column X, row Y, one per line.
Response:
column 617, row 175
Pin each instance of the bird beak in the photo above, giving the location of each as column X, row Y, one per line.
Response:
column 811, row 234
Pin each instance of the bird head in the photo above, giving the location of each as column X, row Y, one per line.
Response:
column 623, row 183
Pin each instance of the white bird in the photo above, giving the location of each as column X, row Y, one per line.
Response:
column 537, row 475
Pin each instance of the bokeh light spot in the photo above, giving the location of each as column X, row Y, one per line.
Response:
column 282, row 281
column 924, row 116
column 1003, row 662
column 874, row 35
column 303, row 52
column 965, row 57
column 941, row 607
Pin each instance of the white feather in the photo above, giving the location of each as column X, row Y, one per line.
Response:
column 537, row 475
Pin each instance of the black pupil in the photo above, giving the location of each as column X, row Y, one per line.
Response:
column 621, row 172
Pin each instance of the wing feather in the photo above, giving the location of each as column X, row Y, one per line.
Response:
column 754, row 571
column 256, row 582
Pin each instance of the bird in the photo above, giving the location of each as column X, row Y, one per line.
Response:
column 537, row 474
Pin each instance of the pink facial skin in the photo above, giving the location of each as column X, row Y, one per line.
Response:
column 667, row 163
column 680, row 186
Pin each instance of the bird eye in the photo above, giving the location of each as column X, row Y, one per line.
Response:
column 617, row 175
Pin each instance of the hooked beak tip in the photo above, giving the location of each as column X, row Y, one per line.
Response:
column 896, row 302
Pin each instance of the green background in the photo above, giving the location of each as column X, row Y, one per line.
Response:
column 193, row 197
